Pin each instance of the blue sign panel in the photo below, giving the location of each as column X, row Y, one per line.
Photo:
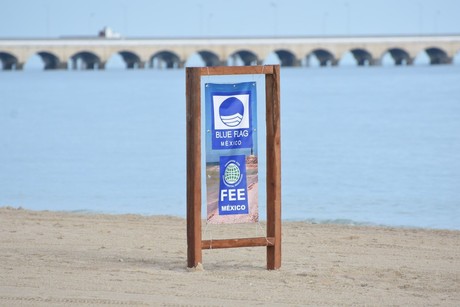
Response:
column 232, row 118
column 231, row 152
column 233, row 192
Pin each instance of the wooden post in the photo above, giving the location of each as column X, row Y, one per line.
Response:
column 272, row 97
column 193, row 100
column 272, row 241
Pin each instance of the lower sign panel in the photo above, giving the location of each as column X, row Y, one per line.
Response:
column 232, row 190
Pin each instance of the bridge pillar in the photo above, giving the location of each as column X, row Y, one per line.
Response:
column 361, row 62
column 62, row 65
column 375, row 62
column 446, row 60
column 7, row 65
column 406, row 61
column 322, row 59
column 138, row 64
column 441, row 60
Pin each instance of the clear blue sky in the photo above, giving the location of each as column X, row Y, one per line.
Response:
column 195, row 18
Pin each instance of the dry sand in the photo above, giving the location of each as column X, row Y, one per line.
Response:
column 64, row 259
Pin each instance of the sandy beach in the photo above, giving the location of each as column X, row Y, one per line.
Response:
column 68, row 259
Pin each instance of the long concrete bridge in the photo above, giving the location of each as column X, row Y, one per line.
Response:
column 94, row 52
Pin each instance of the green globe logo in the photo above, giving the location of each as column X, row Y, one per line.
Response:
column 232, row 173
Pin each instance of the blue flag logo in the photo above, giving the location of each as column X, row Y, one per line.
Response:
column 231, row 121
column 231, row 112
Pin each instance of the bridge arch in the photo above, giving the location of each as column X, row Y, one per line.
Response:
column 51, row 60
column 438, row 56
column 131, row 59
column 287, row 58
column 398, row 55
column 324, row 57
column 209, row 58
column 9, row 61
column 86, row 60
column 165, row 59
column 243, row 57
column 362, row 56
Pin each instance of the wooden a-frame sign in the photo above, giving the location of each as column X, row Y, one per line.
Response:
column 272, row 241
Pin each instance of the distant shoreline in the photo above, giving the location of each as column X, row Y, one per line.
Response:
column 262, row 218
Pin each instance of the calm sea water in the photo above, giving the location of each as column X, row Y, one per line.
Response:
column 359, row 145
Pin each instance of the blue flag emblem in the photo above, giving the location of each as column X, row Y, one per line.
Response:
column 231, row 112
column 231, row 120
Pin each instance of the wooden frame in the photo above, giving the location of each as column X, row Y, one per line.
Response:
column 272, row 241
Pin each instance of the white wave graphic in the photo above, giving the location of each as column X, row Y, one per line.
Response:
column 232, row 120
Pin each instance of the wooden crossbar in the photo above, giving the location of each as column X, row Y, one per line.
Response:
column 237, row 70
column 243, row 242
